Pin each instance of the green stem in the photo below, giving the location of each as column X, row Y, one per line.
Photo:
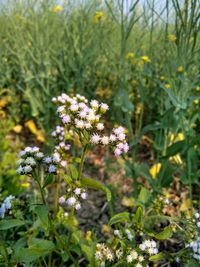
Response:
column 6, row 252
column 57, row 195
column 82, row 161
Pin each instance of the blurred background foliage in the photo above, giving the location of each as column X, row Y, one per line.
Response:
column 141, row 57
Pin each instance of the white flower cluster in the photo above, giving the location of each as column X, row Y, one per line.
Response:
column 195, row 246
column 85, row 117
column 74, row 200
column 6, row 206
column 133, row 256
column 149, row 246
column 197, row 219
column 103, row 253
column 30, row 157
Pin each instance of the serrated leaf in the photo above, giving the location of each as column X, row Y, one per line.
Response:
column 120, row 218
column 165, row 234
column 7, row 224
column 96, row 185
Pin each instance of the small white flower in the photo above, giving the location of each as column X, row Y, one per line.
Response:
column 47, row 160
column 35, row 149
column 20, row 161
column 84, row 195
column 22, row 153
column 94, row 104
column 39, row 155
column 112, row 138
column 77, row 191
column 197, row 215
column 28, row 149
column 100, row 126
column 66, row 214
column 198, row 224
column 83, row 114
column 142, row 247
column 117, row 152
column 104, row 107
column 27, row 169
column 134, row 254
column 71, row 201
column 120, row 146
column 119, row 130
column 105, row 140
column 56, row 157
column 95, row 139
column 80, row 124
column 30, row 161
column 63, row 163
column 129, row 258
column 61, row 108
column 121, row 136
column 78, row 206
column 138, row 265
column 66, row 119
column 74, row 107
column 91, row 116
column 141, row 258
column 20, row 170
column 88, row 125
column 155, row 251
column 52, row 169
column 61, row 200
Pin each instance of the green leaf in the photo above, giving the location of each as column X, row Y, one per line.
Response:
column 37, row 248
column 165, row 234
column 138, row 215
column 42, row 213
column 96, row 185
column 73, row 171
column 88, row 251
column 48, row 180
column 144, row 196
column 157, row 257
column 175, row 148
column 120, row 218
column 7, row 224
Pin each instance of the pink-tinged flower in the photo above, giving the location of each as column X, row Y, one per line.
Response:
column 66, row 119
column 78, row 206
column 126, row 147
column 82, row 114
column 121, row 136
column 120, row 146
column 100, row 126
column 61, row 200
column 95, row 139
column 61, row 108
column 117, row 152
column 119, row 130
column 94, row 104
column 113, row 138
column 73, row 107
column 82, row 105
column 71, row 201
column 105, row 140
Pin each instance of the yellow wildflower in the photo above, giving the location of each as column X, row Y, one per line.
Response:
column 155, row 169
column 88, row 235
column 171, row 38
column 198, row 88
column 162, row 78
column 38, row 133
column 25, row 185
column 196, row 101
column 168, row 86
column 99, row 17
column 17, row 128
column 146, row 59
column 130, row 55
column 180, row 69
column 57, row 9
